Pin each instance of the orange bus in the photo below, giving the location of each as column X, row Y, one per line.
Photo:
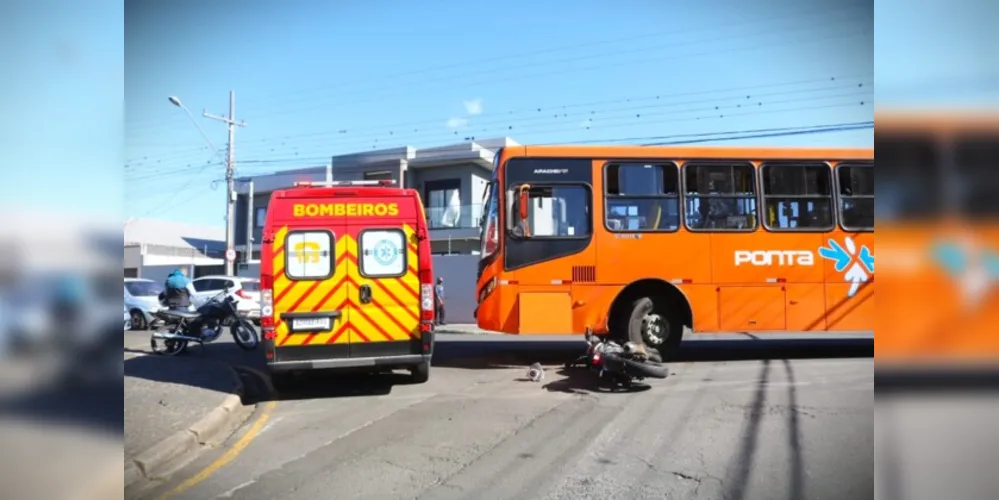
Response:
column 642, row 242
column 940, row 238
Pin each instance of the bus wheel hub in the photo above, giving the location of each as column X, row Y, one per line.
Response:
column 654, row 330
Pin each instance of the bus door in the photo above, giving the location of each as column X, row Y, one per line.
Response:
column 548, row 245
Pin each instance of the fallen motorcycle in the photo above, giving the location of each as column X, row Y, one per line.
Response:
column 620, row 365
column 202, row 326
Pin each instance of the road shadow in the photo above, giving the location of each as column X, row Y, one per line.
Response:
column 584, row 381
column 206, row 367
column 331, row 385
column 513, row 352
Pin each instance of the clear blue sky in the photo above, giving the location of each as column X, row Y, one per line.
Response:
column 62, row 87
column 327, row 78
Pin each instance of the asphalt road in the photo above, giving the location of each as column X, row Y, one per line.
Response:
column 736, row 421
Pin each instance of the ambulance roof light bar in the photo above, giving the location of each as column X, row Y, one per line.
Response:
column 382, row 182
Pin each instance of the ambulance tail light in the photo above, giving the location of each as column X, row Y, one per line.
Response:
column 426, row 295
column 267, row 307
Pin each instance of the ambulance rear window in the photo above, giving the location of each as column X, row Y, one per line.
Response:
column 383, row 253
column 309, row 255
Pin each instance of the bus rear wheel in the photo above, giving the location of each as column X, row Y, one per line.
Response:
column 650, row 323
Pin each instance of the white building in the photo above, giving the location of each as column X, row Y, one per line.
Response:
column 153, row 248
column 451, row 180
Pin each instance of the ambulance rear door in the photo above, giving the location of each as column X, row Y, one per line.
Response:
column 385, row 296
column 310, row 278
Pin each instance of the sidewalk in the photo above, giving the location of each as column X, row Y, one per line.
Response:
column 463, row 328
column 173, row 407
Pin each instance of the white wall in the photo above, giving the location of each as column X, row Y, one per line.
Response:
column 179, row 260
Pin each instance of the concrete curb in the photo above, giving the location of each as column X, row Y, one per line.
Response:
column 444, row 330
column 169, row 455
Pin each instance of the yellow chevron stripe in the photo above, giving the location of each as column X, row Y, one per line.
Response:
column 346, row 244
column 299, row 288
column 278, row 262
column 312, row 301
column 361, row 324
column 376, row 313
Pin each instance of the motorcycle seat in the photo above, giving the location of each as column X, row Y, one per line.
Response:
column 180, row 314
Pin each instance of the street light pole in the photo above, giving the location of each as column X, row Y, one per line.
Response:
column 230, row 181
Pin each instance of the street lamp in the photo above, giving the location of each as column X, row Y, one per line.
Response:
column 177, row 102
column 231, row 122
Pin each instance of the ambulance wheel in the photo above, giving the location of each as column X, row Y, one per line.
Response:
column 420, row 373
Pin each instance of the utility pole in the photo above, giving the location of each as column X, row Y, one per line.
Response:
column 230, row 182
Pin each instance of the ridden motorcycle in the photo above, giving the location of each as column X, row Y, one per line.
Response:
column 620, row 365
column 202, row 326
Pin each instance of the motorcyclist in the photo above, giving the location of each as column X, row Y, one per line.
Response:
column 178, row 291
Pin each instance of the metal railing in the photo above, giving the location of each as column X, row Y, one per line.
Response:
column 460, row 217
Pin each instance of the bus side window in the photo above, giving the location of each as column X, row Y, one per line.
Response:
column 642, row 197
column 797, row 196
column 720, row 196
column 856, row 196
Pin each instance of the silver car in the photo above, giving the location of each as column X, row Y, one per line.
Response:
column 142, row 301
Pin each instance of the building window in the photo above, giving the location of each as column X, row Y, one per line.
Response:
column 555, row 212
column 443, row 201
column 642, row 197
column 309, row 255
column 261, row 216
column 797, row 196
column 856, row 196
column 720, row 196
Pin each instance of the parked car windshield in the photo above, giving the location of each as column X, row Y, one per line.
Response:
column 143, row 288
column 251, row 285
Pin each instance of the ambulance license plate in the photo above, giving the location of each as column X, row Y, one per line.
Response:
column 311, row 324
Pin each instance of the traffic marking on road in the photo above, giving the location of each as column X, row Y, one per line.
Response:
column 229, row 456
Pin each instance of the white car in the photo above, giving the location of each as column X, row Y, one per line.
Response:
column 246, row 291
column 142, row 301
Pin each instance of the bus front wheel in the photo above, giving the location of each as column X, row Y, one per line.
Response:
column 652, row 324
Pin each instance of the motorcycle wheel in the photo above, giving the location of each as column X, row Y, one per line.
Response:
column 245, row 335
column 649, row 370
column 167, row 347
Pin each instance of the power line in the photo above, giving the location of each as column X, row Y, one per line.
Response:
column 677, row 39
column 679, row 139
column 604, row 116
column 660, row 141
column 671, row 121
column 758, row 23
column 810, row 28
column 378, row 94
column 663, row 100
